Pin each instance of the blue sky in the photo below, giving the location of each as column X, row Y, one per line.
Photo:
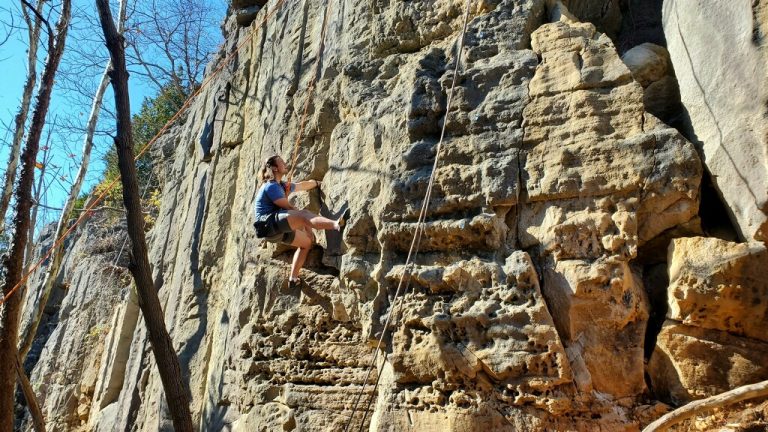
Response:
column 66, row 105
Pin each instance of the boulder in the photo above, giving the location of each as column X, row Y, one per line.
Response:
column 719, row 285
column 720, row 64
column 648, row 63
column 693, row 363
column 600, row 310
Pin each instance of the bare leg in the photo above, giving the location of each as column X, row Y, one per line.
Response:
column 303, row 242
column 303, row 218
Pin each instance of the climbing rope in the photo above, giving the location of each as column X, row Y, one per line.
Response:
column 415, row 242
column 87, row 212
column 311, row 92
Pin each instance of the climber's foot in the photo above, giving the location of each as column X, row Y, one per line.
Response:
column 342, row 220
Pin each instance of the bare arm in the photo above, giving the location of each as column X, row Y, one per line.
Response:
column 283, row 203
column 306, row 185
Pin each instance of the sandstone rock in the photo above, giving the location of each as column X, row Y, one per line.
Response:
column 693, row 363
column 490, row 321
column 662, row 99
column 652, row 68
column 600, row 311
column 557, row 157
column 587, row 228
column 475, row 336
column 605, row 14
column 238, row 4
column 112, row 371
column 719, row 285
column 246, row 15
column 68, row 355
column 647, row 62
column 587, row 112
column 722, row 76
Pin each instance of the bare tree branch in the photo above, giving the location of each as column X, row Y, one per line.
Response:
column 58, row 254
column 42, row 19
column 738, row 394
column 8, row 27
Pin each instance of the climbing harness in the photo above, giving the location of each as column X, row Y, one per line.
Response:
column 415, row 243
column 87, row 212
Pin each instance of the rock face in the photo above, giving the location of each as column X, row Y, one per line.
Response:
column 526, row 308
column 719, row 56
column 605, row 14
column 714, row 339
column 601, row 178
column 477, row 346
column 651, row 67
column 77, row 373
column 693, row 363
column 719, row 285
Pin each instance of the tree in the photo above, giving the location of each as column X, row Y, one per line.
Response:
column 20, row 121
column 7, row 27
column 57, row 254
column 176, row 392
column 155, row 112
column 14, row 262
column 168, row 40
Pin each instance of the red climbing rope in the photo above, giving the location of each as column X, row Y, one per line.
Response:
column 415, row 243
column 311, row 92
column 89, row 210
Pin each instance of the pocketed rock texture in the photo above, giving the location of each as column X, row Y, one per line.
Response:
column 715, row 338
column 719, row 285
column 525, row 309
column 601, row 178
column 693, row 363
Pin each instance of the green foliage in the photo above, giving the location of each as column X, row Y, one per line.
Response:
column 154, row 114
column 78, row 205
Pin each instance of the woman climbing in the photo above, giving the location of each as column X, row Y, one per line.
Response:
column 278, row 221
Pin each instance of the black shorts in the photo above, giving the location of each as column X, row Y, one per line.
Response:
column 275, row 228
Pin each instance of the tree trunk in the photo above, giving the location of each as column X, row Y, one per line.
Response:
column 167, row 362
column 38, row 421
column 38, row 192
column 14, row 262
column 57, row 256
column 21, row 117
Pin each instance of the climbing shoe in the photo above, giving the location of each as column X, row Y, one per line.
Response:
column 343, row 219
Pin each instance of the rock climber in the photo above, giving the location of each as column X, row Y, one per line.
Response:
column 278, row 221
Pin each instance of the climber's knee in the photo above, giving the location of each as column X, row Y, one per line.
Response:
column 301, row 239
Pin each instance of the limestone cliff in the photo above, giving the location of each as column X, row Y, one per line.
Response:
column 541, row 282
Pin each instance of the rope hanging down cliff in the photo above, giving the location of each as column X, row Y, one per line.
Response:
column 87, row 212
column 415, row 242
column 311, row 92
